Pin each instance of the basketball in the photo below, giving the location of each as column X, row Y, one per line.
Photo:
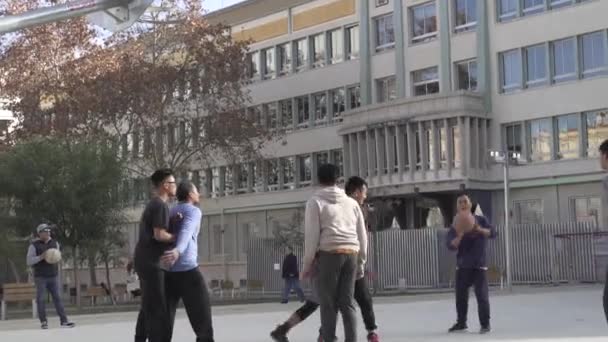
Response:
column 52, row 256
column 464, row 221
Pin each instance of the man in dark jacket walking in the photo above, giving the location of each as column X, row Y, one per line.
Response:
column 291, row 275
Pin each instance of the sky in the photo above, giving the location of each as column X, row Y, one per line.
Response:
column 213, row 5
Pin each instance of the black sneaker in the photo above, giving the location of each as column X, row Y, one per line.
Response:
column 458, row 327
column 44, row 325
column 67, row 324
column 485, row 330
column 279, row 334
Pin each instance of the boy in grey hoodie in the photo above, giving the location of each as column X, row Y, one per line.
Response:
column 334, row 231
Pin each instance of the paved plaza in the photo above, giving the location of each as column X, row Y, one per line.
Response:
column 548, row 314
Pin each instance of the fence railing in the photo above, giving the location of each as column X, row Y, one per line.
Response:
column 418, row 259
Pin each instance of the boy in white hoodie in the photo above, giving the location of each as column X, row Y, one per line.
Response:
column 335, row 233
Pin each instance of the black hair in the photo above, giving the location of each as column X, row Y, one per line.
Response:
column 159, row 176
column 474, row 207
column 353, row 184
column 604, row 148
column 183, row 190
column 328, row 174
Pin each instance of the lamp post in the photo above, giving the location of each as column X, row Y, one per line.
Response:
column 505, row 158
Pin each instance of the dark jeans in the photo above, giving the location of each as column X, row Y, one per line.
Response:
column 191, row 288
column 606, row 297
column 336, row 287
column 292, row 283
column 154, row 304
column 364, row 299
column 307, row 309
column 49, row 284
column 465, row 278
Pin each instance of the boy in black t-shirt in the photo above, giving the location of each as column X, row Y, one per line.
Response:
column 154, row 240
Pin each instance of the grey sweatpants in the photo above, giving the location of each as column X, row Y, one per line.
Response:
column 336, row 287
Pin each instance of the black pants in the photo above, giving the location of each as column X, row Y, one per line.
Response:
column 191, row 288
column 364, row 300
column 606, row 297
column 465, row 278
column 141, row 335
column 154, row 305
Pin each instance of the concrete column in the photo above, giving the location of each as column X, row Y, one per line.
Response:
column 484, row 145
column 436, row 147
column 484, row 75
column 450, row 146
column 399, row 47
column 371, row 153
column 345, row 155
column 354, row 154
column 401, row 145
column 250, row 177
column 445, row 67
column 314, row 166
column 424, row 166
column 465, row 141
column 365, row 73
column 475, row 143
column 390, row 153
column 411, row 145
column 379, row 154
column 361, row 147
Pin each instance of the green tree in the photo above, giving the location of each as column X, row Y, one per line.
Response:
column 70, row 183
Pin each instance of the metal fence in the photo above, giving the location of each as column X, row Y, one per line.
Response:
column 416, row 259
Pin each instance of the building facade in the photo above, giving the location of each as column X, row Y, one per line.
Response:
column 412, row 95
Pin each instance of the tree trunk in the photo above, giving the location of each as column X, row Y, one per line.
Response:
column 76, row 276
column 13, row 267
column 92, row 270
column 107, row 264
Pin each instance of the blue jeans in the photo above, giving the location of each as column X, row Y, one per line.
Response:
column 292, row 283
column 49, row 284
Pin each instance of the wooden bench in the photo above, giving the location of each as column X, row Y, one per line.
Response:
column 94, row 292
column 18, row 293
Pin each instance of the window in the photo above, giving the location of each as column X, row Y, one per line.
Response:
column 533, row 6
column 540, row 140
column 424, row 21
column 228, row 180
column 320, row 107
column 322, row 158
column 284, row 56
column 245, row 236
column 318, row 50
column 255, row 113
column 243, row 180
column 354, row 97
column 430, row 147
column 338, row 103
column 303, row 111
column 597, row 130
column 586, row 209
column 352, row 42
column 426, row 81
column 268, row 56
column 511, row 70
column 253, row 61
column 273, row 174
column 137, row 142
column 466, row 73
column 258, row 176
column 385, row 34
column 559, row 3
column 528, row 212
column 536, row 65
column 564, row 60
column 215, row 182
column 305, row 170
column 568, row 136
column 514, row 138
column 507, row 9
column 336, row 156
column 336, row 50
column 466, row 15
column 443, row 146
column 386, row 89
column 456, row 151
column 595, row 61
column 286, row 112
column 271, row 115
column 302, row 54
column 288, row 167
column 381, row 3
column 148, row 143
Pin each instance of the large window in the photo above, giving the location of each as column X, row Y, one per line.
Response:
column 284, row 56
column 286, row 112
column 456, row 143
column 466, row 15
column 533, row 6
column 528, row 212
column 352, row 42
column 336, row 42
column 511, row 70
column 424, row 22
column 303, row 111
column 426, row 81
column 536, row 65
column 568, row 136
column 288, row 168
column 272, row 167
column 386, row 89
column 268, row 56
column 271, row 115
column 586, row 209
column 253, row 65
column 301, row 54
column 354, row 97
column 337, row 159
column 305, row 170
column 507, row 9
column 466, row 73
column 243, row 178
column 597, row 130
column 318, row 50
column 322, row 158
column 595, row 61
column 385, row 33
column 320, row 107
column 514, row 138
column 540, row 140
column 338, row 103
column 564, row 60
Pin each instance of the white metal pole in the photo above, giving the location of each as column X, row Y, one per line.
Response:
column 507, row 229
